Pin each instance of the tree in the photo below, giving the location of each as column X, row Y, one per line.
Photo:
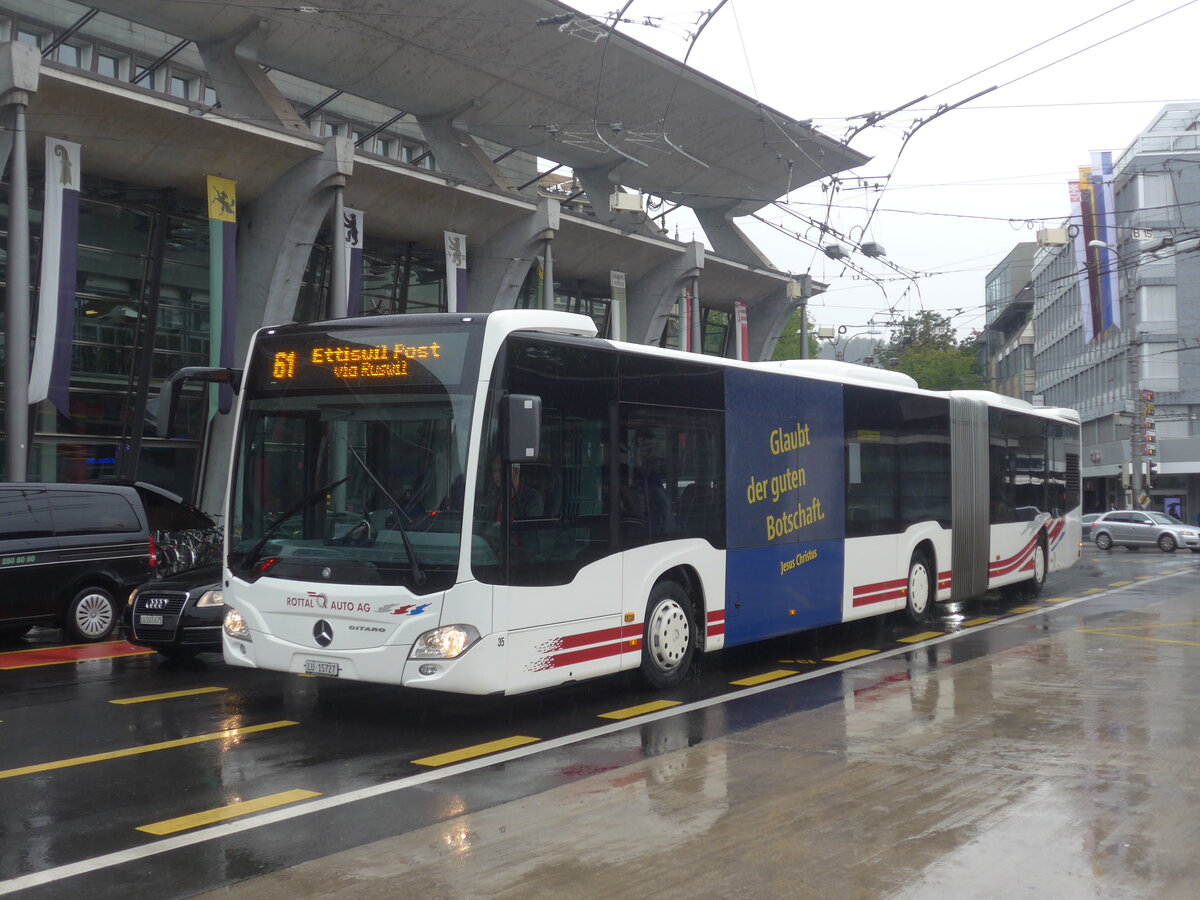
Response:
column 927, row 349
column 789, row 340
column 925, row 329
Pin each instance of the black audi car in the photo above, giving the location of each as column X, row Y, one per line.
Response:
column 180, row 615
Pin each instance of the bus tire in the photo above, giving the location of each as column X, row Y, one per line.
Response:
column 669, row 638
column 1034, row 585
column 919, row 595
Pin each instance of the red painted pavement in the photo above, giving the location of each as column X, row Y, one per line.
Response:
column 52, row 656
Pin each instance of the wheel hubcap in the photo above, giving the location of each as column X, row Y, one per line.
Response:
column 94, row 615
column 1039, row 564
column 918, row 589
column 669, row 635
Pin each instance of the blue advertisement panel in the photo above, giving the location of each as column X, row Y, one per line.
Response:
column 784, row 463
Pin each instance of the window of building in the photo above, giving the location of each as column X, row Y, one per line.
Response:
column 1157, row 307
column 72, row 55
column 1155, row 196
column 1160, row 366
column 331, row 129
column 385, row 146
column 181, row 87
column 110, row 65
column 32, row 37
column 210, row 96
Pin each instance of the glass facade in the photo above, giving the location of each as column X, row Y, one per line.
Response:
column 108, row 433
column 117, row 228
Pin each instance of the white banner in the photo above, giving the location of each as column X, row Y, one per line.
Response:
column 51, row 372
column 456, row 271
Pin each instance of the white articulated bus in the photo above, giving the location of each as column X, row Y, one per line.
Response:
column 500, row 502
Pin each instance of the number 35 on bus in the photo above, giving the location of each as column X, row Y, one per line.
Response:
column 502, row 502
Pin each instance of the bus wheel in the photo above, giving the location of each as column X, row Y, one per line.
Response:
column 1034, row 585
column 670, row 636
column 91, row 615
column 920, row 588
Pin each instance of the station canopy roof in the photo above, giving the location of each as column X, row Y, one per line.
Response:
column 565, row 90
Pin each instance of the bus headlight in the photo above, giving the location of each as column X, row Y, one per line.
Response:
column 235, row 625
column 447, row 642
column 212, row 598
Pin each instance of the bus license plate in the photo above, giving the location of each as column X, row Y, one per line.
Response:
column 150, row 620
column 322, row 667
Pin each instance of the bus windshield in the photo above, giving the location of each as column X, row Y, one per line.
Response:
column 351, row 480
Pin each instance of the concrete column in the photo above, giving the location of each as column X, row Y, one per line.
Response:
column 728, row 240
column 275, row 236
column 19, row 68
column 766, row 319
column 652, row 297
column 548, row 274
column 458, row 156
column 495, row 277
column 242, row 86
column 338, row 304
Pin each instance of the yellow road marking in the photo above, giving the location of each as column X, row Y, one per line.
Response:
column 169, row 696
column 763, row 678
column 1137, row 637
column 1120, row 583
column 982, row 620
column 1017, row 610
column 1057, row 599
column 853, row 654
column 220, row 814
column 796, row 662
column 145, row 748
column 1094, row 591
column 630, row 711
column 444, row 759
column 917, row 638
column 1142, row 577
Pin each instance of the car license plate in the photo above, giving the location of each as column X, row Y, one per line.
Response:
column 321, row 667
column 150, row 620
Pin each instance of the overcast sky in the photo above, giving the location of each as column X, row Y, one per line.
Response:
column 975, row 181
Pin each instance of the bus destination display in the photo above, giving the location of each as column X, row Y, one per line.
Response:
column 315, row 360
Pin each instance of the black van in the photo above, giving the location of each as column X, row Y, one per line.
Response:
column 69, row 556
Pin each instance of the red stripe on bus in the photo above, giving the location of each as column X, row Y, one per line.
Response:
column 589, row 653
column 1004, row 566
column 716, row 615
column 880, row 586
column 603, row 636
column 881, row 597
column 50, row 656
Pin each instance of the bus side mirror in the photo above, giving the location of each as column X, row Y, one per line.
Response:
column 522, row 427
column 168, row 394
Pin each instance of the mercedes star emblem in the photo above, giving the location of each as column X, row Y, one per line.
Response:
column 323, row 633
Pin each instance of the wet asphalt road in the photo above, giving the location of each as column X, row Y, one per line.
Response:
column 215, row 775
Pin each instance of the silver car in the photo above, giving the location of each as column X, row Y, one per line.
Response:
column 1135, row 528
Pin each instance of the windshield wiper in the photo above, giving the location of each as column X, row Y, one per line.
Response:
column 418, row 573
column 308, row 499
